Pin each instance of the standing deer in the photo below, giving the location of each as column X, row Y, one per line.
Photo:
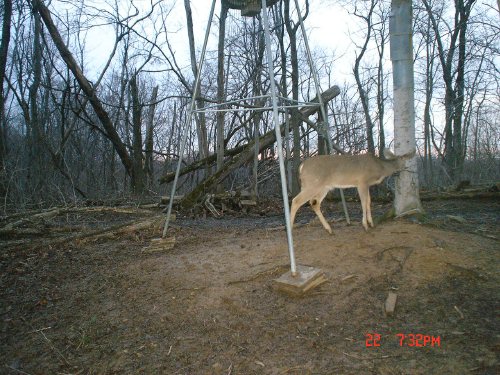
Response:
column 320, row 174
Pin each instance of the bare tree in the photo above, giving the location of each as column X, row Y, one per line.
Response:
column 34, row 121
column 368, row 19
column 381, row 36
column 137, row 157
column 200, row 118
column 295, row 121
column 60, row 147
column 86, row 86
column 453, row 59
column 149, row 146
column 258, row 47
column 221, row 88
column 4, row 49
column 348, row 120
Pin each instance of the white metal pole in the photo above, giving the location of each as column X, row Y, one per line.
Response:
column 188, row 119
column 284, row 189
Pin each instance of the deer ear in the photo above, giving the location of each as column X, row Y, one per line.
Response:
column 388, row 154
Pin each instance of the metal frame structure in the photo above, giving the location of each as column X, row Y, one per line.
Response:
column 275, row 107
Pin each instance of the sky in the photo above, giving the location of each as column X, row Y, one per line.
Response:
column 328, row 24
column 328, row 27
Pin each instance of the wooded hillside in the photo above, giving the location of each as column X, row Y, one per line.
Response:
column 74, row 128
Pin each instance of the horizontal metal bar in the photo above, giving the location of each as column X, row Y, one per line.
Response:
column 253, row 98
column 213, row 109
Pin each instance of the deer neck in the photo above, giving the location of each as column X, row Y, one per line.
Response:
column 391, row 166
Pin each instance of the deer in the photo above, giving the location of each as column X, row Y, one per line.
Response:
column 322, row 173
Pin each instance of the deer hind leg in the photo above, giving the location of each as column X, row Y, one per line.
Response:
column 316, row 206
column 297, row 202
column 364, row 196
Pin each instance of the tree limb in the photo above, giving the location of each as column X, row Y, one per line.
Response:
column 264, row 141
column 247, row 154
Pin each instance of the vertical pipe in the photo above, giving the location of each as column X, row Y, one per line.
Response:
column 320, row 100
column 188, row 119
column 406, row 197
column 287, row 150
column 274, row 98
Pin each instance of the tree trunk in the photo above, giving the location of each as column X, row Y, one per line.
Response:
column 200, row 118
column 137, row 171
column 85, row 85
column 112, row 182
column 363, row 96
column 221, row 88
column 35, row 141
column 322, row 141
column 256, row 152
column 295, row 120
column 259, row 48
column 429, row 78
column 458, row 128
column 280, row 32
column 407, row 194
column 4, row 49
column 149, row 164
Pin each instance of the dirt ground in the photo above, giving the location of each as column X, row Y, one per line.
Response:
column 207, row 306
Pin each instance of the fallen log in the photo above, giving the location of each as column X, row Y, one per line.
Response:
column 247, row 153
column 38, row 228
column 477, row 194
column 264, row 141
column 34, row 218
column 169, row 177
column 102, row 234
column 30, row 218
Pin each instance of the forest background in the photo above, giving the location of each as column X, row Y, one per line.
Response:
column 95, row 94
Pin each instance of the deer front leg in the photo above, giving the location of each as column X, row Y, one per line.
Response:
column 364, row 196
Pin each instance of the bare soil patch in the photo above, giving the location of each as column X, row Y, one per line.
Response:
column 101, row 306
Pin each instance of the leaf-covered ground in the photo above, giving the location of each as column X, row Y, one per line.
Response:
column 99, row 305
